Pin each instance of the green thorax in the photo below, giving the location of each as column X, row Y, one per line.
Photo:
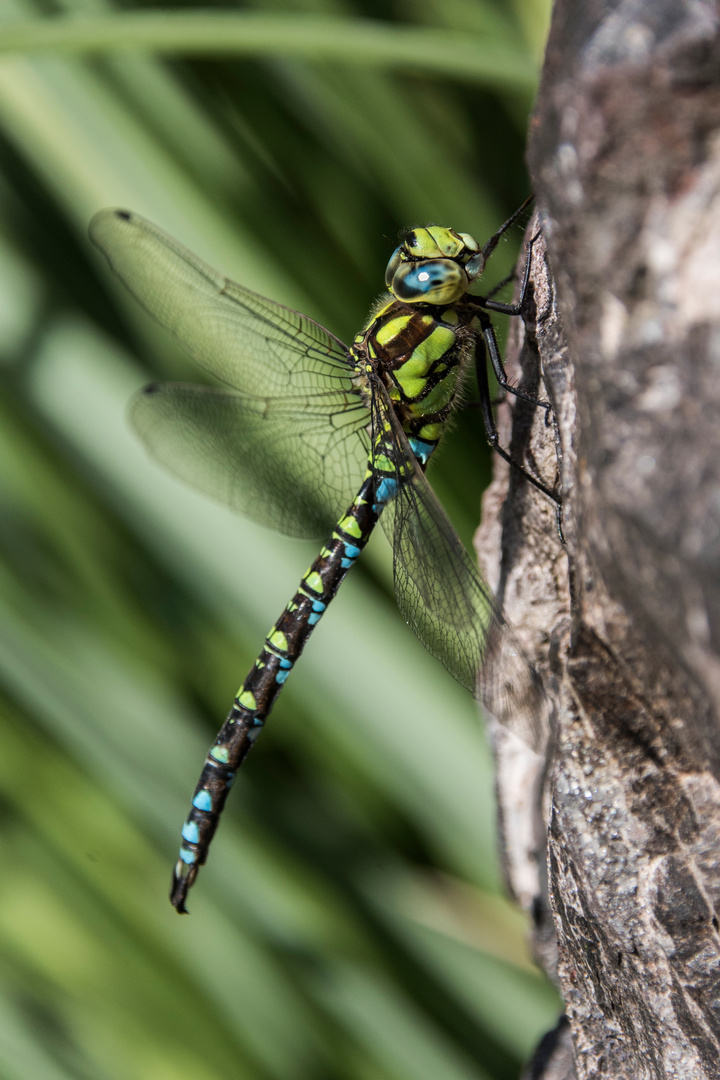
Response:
column 421, row 336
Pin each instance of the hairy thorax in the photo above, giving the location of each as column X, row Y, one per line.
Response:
column 419, row 352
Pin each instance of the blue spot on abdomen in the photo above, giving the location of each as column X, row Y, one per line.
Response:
column 190, row 832
column 202, row 801
column 421, row 449
column 386, row 490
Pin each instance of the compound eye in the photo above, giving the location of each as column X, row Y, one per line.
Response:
column 475, row 266
column 469, row 241
column 430, row 281
column 392, row 265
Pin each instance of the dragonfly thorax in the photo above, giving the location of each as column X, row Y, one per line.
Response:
column 418, row 352
column 433, row 265
column 288, row 434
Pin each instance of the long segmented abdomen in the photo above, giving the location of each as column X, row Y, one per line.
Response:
column 257, row 695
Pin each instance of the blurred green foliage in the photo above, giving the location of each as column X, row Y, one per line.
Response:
column 350, row 922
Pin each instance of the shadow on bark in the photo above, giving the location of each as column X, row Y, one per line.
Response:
column 612, row 839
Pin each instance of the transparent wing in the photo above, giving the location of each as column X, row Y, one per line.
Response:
column 446, row 602
column 290, row 466
column 248, row 342
column 284, row 447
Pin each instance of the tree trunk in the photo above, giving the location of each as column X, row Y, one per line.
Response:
column 612, row 837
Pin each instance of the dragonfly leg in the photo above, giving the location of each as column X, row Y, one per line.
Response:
column 488, row 333
column 516, row 308
column 492, row 433
column 492, row 243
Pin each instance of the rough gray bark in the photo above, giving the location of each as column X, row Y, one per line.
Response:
column 612, row 838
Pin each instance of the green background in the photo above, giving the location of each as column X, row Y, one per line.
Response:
column 351, row 922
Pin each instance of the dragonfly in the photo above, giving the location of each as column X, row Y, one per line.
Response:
column 315, row 438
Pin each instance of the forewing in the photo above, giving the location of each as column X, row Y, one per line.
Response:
column 285, row 449
column 446, row 602
column 248, row 342
column 292, row 468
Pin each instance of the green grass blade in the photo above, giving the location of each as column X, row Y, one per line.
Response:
column 346, row 41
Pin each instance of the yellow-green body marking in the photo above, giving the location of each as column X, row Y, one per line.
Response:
column 389, row 395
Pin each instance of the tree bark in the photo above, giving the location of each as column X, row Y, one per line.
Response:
column 611, row 838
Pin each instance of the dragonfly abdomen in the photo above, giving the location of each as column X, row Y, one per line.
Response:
column 256, row 697
column 291, row 428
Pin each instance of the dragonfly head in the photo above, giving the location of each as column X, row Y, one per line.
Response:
column 433, row 265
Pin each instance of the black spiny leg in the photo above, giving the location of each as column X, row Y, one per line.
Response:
column 491, row 430
column 491, row 345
